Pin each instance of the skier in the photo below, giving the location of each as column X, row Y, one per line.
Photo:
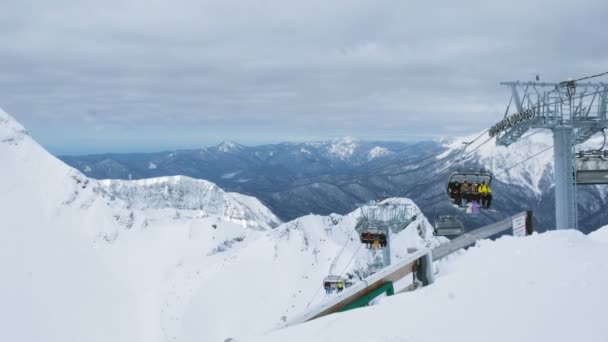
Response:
column 475, row 192
column 382, row 240
column 465, row 191
column 454, row 189
column 327, row 287
column 340, row 286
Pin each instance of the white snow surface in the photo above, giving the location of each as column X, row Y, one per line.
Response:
column 378, row 152
column 342, row 148
column 546, row 287
column 87, row 260
column 229, row 146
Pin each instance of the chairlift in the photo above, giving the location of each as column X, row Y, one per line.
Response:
column 456, row 180
column 333, row 280
column 447, row 225
column 374, row 237
column 375, row 267
column 592, row 167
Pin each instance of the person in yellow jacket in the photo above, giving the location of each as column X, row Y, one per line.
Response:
column 486, row 194
column 340, row 286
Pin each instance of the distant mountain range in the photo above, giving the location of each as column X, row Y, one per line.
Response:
column 295, row 179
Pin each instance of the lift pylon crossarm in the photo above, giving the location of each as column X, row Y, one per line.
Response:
column 581, row 106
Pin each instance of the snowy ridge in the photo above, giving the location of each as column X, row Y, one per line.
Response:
column 185, row 193
column 10, row 130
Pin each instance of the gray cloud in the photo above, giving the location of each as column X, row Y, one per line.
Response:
column 125, row 75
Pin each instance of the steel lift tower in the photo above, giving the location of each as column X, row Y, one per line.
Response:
column 573, row 111
column 388, row 218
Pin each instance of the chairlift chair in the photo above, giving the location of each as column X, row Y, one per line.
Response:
column 375, row 236
column 456, row 180
column 333, row 280
column 592, row 167
column 446, row 225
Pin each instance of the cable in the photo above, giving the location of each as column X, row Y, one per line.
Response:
column 315, row 296
column 584, row 78
column 479, row 146
column 343, row 248
column 351, row 260
column 523, row 161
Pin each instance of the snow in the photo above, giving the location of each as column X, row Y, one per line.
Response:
column 230, row 175
column 378, row 152
column 280, row 274
column 151, row 166
column 185, row 193
column 229, row 147
column 600, row 235
column 342, row 148
column 546, row 287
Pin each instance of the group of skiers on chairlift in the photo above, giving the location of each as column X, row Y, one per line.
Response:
column 475, row 194
column 372, row 240
column 331, row 286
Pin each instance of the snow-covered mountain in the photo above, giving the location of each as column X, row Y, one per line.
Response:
column 170, row 259
column 185, row 193
column 295, row 179
column 524, row 177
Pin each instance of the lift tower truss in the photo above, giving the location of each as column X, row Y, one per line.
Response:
column 573, row 111
column 388, row 217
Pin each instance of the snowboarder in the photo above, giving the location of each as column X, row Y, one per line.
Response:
column 340, row 286
column 327, row 287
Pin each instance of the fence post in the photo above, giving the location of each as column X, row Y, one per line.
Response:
column 424, row 271
column 529, row 226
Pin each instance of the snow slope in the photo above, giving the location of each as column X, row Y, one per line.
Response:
column 80, row 264
column 54, row 286
column 168, row 259
column 547, row 287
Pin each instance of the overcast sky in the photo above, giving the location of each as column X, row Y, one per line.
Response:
column 144, row 75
